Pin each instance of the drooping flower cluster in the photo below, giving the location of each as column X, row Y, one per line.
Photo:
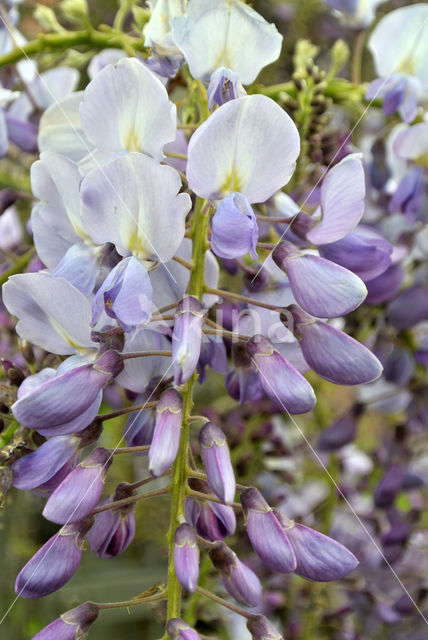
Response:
column 144, row 202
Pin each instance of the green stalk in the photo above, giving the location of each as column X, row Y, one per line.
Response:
column 180, row 469
column 8, row 433
column 65, row 40
column 18, row 266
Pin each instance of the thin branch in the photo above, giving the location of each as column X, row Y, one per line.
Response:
column 132, row 603
column 144, row 481
column 211, row 498
column 120, row 412
column 194, row 473
column 179, row 156
column 131, row 500
column 240, row 298
column 223, row 603
column 168, row 307
column 138, row 449
column 48, row 42
column 185, row 263
column 226, row 334
column 145, row 354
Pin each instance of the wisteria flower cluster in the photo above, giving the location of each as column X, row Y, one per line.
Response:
column 196, row 236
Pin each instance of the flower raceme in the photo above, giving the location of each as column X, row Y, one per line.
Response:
column 121, row 250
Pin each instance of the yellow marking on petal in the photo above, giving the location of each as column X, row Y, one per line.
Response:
column 422, row 160
column 407, row 66
column 131, row 141
column 58, row 328
column 232, row 182
column 136, row 246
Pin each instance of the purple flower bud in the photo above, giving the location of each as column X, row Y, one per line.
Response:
column 224, row 86
column 410, row 194
column 239, row 580
column 399, row 92
column 261, row 629
column 186, row 338
column 180, row 630
column 44, row 463
column 213, row 354
column 71, row 625
column 385, row 286
column 234, row 227
column 67, row 402
column 322, row 288
column 126, row 294
column 243, row 385
column 216, row 457
column 399, row 366
column 340, row 433
column 113, row 530
column 166, row 436
column 266, row 533
column 80, row 491
column 186, row 557
column 139, row 428
column 318, row 557
column 22, row 133
column 211, row 520
column 389, row 486
column 55, row 563
column 280, row 380
column 13, row 372
column 409, row 308
column 332, row 354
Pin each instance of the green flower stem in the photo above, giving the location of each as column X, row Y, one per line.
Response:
column 131, row 603
column 126, row 501
column 68, row 39
column 145, row 354
column 340, row 90
column 121, row 412
column 8, row 433
column 14, row 180
column 211, row 498
column 137, row 449
column 180, row 470
column 224, row 603
column 18, row 266
column 237, row 296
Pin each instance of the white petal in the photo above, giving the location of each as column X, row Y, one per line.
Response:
column 342, row 201
column 126, row 108
column 60, row 129
column 133, row 203
column 52, row 313
column 248, row 145
column 225, row 33
column 399, row 42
